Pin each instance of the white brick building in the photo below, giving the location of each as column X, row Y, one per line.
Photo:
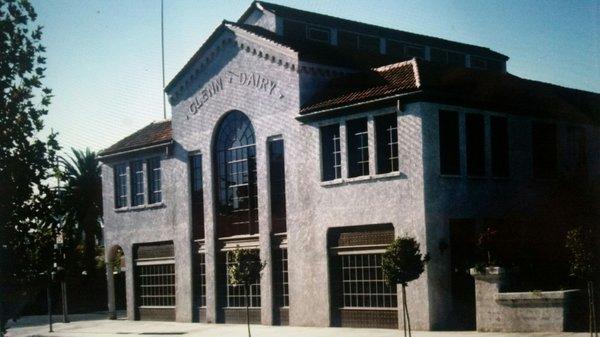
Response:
column 317, row 140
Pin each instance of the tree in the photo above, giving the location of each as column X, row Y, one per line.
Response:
column 402, row 262
column 584, row 261
column 81, row 201
column 245, row 270
column 27, row 201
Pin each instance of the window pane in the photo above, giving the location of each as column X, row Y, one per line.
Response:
column 414, row 51
column 120, row 173
column 277, row 184
column 449, row 147
column 394, row 48
column 478, row 63
column 331, row 152
column 438, row 56
column 369, row 44
column 358, row 147
column 386, row 133
column 474, row 125
column 137, row 183
column 294, row 30
column 347, row 40
column 499, row 144
column 154, row 180
column 318, row 34
column 544, row 146
column 361, row 284
column 197, row 196
column 456, row 59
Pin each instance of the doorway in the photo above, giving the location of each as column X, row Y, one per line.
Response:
column 463, row 240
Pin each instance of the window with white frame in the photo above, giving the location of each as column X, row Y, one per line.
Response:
column 156, row 285
column 363, row 283
column 154, row 183
column 386, row 134
column 137, row 183
column 331, row 152
column 120, row 172
column 281, row 277
column 236, row 295
column 358, row 147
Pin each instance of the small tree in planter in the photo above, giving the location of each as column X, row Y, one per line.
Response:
column 584, row 260
column 402, row 262
column 245, row 270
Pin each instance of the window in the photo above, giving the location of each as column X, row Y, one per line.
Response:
column 369, row 44
column 358, row 147
column 478, row 63
column 449, row 146
column 443, row 57
column 363, row 283
column 235, row 178
column 394, row 48
column 120, row 172
column 318, row 34
column 544, row 147
column 197, row 196
column 154, row 186
column 347, row 40
column 456, row 59
column 277, row 184
column 156, row 284
column 281, row 277
column 331, row 152
column 475, row 130
column 202, row 279
column 137, row 183
column 499, row 144
column 386, row 133
column 495, row 65
column 411, row 51
column 236, row 296
column 294, row 30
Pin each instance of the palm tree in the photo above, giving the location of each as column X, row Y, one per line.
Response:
column 81, row 198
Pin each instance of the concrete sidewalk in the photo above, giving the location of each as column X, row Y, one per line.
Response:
column 98, row 325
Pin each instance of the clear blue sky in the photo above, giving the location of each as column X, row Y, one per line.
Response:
column 104, row 59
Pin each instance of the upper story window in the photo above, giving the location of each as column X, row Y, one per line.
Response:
column 499, row 146
column 386, row 133
column 356, row 41
column 154, row 184
column 120, row 172
column 235, row 176
column 137, row 183
column 331, row 152
column 544, row 148
column 318, row 34
column 411, row 51
column 294, row 30
column 444, row 57
column 475, row 132
column 358, row 147
column 449, row 142
column 577, row 150
column 277, row 184
column 478, row 63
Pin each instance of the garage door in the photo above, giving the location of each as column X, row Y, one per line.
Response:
column 155, row 282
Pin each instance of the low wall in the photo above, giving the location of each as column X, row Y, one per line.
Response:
column 499, row 311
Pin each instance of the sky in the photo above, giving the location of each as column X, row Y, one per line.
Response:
column 104, row 57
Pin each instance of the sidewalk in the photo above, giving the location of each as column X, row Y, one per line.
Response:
column 97, row 325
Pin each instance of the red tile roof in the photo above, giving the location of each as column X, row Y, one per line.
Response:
column 469, row 87
column 155, row 133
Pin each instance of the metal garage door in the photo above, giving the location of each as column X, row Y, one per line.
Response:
column 155, row 282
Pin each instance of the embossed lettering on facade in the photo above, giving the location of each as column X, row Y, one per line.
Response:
column 250, row 79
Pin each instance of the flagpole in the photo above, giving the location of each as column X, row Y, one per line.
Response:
column 162, row 44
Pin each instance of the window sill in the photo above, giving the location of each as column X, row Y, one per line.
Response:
column 451, row 176
column 359, row 179
column 140, row 207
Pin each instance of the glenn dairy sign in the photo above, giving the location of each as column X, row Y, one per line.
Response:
column 253, row 80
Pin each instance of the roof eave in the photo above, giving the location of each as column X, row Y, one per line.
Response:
column 103, row 155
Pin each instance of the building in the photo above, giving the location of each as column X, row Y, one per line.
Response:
column 317, row 140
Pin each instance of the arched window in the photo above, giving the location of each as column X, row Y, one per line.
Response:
column 235, row 165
